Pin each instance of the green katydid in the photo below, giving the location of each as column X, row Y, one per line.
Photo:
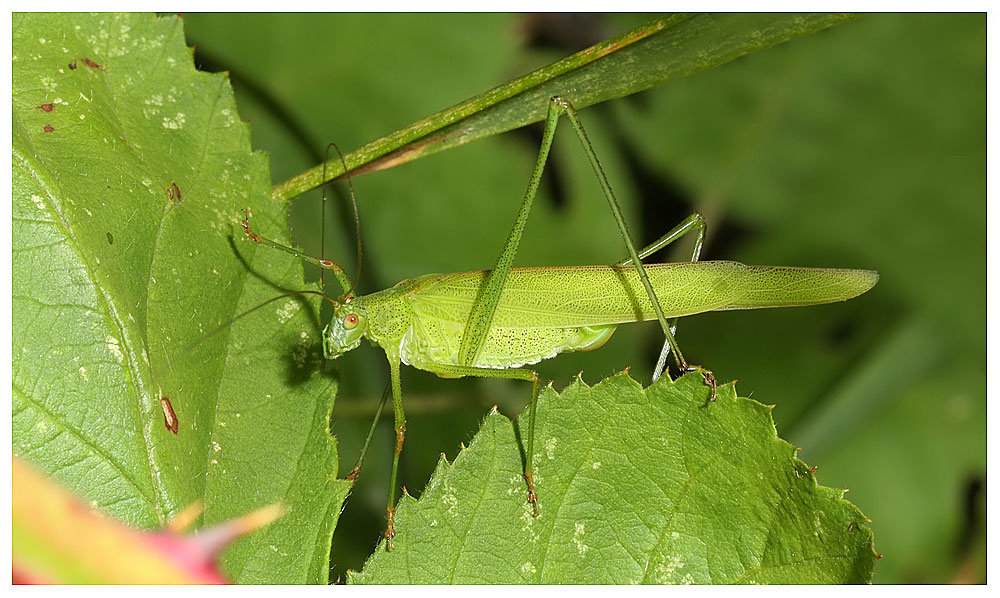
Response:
column 493, row 323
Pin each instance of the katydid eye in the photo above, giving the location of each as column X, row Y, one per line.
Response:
column 350, row 321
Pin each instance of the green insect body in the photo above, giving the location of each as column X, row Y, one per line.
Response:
column 546, row 311
column 492, row 323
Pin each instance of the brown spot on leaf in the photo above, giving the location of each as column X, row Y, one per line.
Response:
column 169, row 417
column 93, row 64
column 174, row 193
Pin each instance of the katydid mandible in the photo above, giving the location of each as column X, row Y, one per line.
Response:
column 492, row 323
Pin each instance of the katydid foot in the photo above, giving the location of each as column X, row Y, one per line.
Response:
column 351, row 477
column 390, row 529
column 707, row 377
column 532, row 495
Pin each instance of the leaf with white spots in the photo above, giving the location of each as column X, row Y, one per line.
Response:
column 653, row 485
column 130, row 169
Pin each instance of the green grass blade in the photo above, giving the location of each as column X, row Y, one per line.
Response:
column 663, row 49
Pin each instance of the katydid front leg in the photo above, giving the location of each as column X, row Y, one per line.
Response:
column 323, row 263
column 356, row 472
column 394, row 363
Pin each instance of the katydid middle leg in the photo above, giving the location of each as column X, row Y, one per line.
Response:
column 460, row 371
column 399, row 419
column 511, row 374
column 400, row 426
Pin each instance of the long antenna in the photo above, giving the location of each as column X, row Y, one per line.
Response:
column 246, row 313
column 188, row 347
column 357, row 219
column 322, row 219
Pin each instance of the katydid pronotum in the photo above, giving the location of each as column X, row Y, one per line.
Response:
column 493, row 323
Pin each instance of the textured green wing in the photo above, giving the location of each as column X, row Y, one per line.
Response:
column 576, row 296
column 779, row 286
column 602, row 295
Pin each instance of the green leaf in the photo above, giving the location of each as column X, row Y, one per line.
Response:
column 635, row 486
column 129, row 172
column 664, row 49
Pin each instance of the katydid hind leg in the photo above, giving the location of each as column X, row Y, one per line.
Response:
column 481, row 315
column 484, row 307
column 694, row 222
column 616, row 212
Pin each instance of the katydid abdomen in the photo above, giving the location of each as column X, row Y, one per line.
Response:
column 546, row 311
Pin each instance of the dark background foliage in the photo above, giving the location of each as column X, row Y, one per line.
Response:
column 860, row 146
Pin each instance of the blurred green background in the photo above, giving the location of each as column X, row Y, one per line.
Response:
column 861, row 146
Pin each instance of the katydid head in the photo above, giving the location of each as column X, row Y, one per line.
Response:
column 345, row 330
